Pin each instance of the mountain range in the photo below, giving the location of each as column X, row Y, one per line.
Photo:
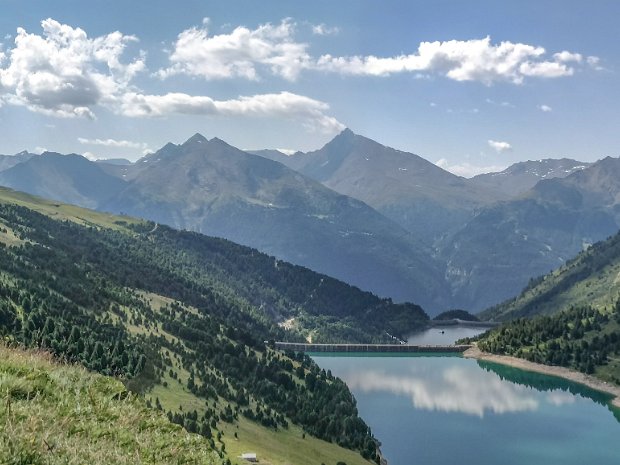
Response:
column 521, row 177
column 379, row 218
column 211, row 187
column 417, row 194
column 507, row 243
column 8, row 161
column 591, row 278
column 492, row 232
column 68, row 178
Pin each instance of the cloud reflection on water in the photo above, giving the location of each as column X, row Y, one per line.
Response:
column 455, row 389
column 559, row 398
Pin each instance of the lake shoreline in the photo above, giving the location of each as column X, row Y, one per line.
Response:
column 561, row 372
column 462, row 323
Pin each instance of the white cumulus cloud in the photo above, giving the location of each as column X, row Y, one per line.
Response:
column 239, row 53
column 565, row 57
column 499, row 146
column 544, row 69
column 113, row 143
column 64, row 72
column 545, row 108
column 306, row 110
column 460, row 60
column 324, row 30
column 247, row 53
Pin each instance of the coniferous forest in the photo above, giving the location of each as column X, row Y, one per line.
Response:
column 159, row 308
column 583, row 338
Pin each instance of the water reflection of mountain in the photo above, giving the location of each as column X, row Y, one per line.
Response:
column 542, row 382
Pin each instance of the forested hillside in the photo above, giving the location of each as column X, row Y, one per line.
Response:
column 582, row 338
column 591, row 278
column 182, row 318
column 531, row 234
column 570, row 317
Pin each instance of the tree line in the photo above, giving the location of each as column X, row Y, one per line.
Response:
column 78, row 291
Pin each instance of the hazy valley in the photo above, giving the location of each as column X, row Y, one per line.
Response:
column 385, row 220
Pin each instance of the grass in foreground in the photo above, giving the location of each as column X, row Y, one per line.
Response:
column 283, row 447
column 59, row 414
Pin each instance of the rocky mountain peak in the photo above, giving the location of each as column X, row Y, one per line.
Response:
column 195, row 139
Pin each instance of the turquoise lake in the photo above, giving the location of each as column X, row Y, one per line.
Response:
column 437, row 410
column 442, row 335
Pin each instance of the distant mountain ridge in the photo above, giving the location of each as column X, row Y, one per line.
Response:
column 531, row 234
column 492, row 232
column 214, row 188
column 417, row 194
column 68, row 178
column 8, row 161
column 591, row 278
column 380, row 218
column 521, row 177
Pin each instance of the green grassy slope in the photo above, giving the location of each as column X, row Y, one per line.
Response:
column 591, row 278
column 62, row 414
column 167, row 312
column 570, row 317
column 61, row 211
column 53, row 413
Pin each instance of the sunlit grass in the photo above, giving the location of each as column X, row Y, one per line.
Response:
column 60, row 211
column 60, row 414
column 282, row 447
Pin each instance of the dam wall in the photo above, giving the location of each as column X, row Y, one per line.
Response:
column 307, row 347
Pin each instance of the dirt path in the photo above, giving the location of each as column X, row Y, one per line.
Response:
column 561, row 372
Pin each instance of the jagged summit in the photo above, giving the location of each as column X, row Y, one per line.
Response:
column 346, row 132
column 217, row 142
column 169, row 146
column 213, row 187
column 166, row 151
column 8, row 161
column 522, row 176
column 196, row 139
column 196, row 143
column 403, row 186
column 346, row 140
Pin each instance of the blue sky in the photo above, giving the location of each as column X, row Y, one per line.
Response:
column 473, row 86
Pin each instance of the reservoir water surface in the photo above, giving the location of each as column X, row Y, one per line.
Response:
column 449, row 410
